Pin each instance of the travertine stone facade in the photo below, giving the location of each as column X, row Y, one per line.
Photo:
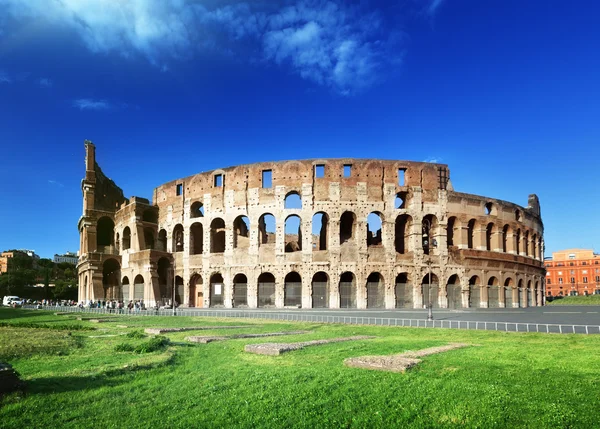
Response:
column 351, row 233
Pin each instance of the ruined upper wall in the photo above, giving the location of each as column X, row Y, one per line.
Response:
column 108, row 195
column 293, row 174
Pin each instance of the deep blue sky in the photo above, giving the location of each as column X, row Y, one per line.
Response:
column 506, row 92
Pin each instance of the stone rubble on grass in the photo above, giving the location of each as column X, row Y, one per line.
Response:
column 210, row 339
column 275, row 349
column 157, row 331
column 399, row 362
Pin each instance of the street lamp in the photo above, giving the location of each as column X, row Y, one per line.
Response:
column 426, row 245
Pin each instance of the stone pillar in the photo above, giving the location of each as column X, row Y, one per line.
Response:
column 252, row 291
column 334, row 292
column 306, row 291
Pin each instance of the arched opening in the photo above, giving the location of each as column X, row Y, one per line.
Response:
column 178, row 238
column 217, row 236
column 474, row 292
column 86, row 288
column 320, row 290
column 292, row 201
column 488, row 208
column 347, row 290
column 320, row 226
column 526, row 243
column 241, row 232
column 266, row 290
column 470, row 233
column 450, row 231
column 535, row 293
column 518, row 242
column 520, row 291
column 162, row 241
column 428, row 228
column 493, row 290
column 534, row 249
column 197, row 210
column 266, row 229
column 126, row 238
column 164, row 276
column 402, row 233
column 508, row 293
column 489, row 230
column 196, row 291
column 118, row 243
column 292, row 290
column 138, row 288
column 404, row 291
column 105, row 231
column 374, row 230
column 375, row 291
column 453, row 291
column 178, row 291
column 148, row 238
column 196, row 239
column 111, row 273
column 150, row 215
column 529, row 295
column 347, row 227
column 293, row 234
column 505, row 232
column 240, row 291
column 400, row 200
column 125, row 289
column 431, row 289
column 216, row 290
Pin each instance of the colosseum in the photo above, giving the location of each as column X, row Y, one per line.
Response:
column 322, row 233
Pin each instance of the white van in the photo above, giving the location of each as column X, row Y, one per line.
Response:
column 8, row 301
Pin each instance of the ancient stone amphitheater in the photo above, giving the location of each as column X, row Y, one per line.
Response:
column 323, row 233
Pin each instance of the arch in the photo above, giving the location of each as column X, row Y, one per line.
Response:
column 517, row 215
column 526, row 243
column 402, row 234
column 111, row 273
column 162, row 241
column 518, row 242
column 126, row 238
column 404, row 291
column 451, row 229
column 138, row 288
column 216, row 290
column 428, row 228
column 493, row 292
column 148, row 238
column 125, row 289
column 292, row 290
column 320, row 290
column 266, row 290
column 488, row 208
column 347, row 289
column 529, row 294
column 489, row 231
column 320, row 227
column 177, row 238
column 118, row 242
column 453, row 292
column 347, row 227
column 520, row 292
column 508, row 292
column 292, row 200
column 150, row 215
column 266, row 229
column 196, row 239
column 217, row 236
column 536, row 289
column 178, row 291
column 374, row 229
column 241, row 232
column 534, row 253
column 105, row 231
column 196, row 298
column 375, row 291
column 400, row 200
column 471, row 234
column 240, row 291
column 430, row 289
column 197, row 210
column 293, row 233
column 475, row 292
column 164, row 276
column 505, row 232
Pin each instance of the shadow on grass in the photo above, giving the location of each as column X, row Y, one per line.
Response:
column 17, row 313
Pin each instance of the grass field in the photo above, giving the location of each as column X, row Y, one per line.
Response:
column 576, row 300
column 78, row 378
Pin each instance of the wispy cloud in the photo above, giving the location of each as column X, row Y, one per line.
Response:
column 4, row 77
column 91, row 104
column 55, row 183
column 433, row 6
column 434, row 160
column 341, row 45
column 44, row 82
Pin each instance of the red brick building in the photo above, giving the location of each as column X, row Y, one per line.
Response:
column 573, row 272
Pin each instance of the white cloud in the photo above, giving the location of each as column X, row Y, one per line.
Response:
column 44, row 82
column 55, row 183
column 91, row 104
column 434, row 160
column 4, row 78
column 329, row 42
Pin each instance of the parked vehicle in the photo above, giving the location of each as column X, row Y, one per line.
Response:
column 9, row 300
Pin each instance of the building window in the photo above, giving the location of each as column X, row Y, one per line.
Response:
column 584, row 263
column 548, row 282
column 560, row 281
column 319, row 171
column 401, row 176
column 597, row 279
column 347, row 170
column 585, row 279
column 571, row 255
column 267, row 179
column 179, row 189
column 571, row 264
column 572, row 279
column 560, row 264
column 572, row 271
column 218, row 180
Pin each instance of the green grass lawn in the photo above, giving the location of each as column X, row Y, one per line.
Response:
column 77, row 378
column 576, row 300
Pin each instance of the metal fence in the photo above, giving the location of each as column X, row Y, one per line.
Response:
column 545, row 328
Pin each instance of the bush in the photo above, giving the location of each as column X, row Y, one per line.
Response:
column 138, row 333
column 124, row 347
column 152, row 345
